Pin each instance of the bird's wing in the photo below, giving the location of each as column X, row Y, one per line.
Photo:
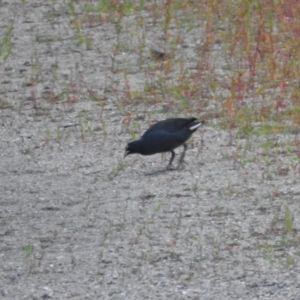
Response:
column 171, row 125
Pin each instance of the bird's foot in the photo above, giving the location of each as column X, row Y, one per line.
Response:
column 181, row 164
column 169, row 168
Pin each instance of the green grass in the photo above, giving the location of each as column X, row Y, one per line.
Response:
column 6, row 45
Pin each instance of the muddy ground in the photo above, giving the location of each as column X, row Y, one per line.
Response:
column 77, row 221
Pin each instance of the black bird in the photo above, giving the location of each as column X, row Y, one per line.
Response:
column 165, row 136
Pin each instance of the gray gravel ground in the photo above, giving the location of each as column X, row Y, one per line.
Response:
column 79, row 222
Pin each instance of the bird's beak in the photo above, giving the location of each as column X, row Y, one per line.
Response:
column 126, row 153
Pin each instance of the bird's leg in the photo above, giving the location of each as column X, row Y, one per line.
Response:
column 181, row 159
column 171, row 160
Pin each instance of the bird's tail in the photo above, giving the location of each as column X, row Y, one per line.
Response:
column 196, row 125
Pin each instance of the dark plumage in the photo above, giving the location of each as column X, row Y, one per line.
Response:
column 165, row 136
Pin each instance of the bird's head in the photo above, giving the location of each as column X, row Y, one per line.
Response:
column 127, row 150
column 132, row 147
